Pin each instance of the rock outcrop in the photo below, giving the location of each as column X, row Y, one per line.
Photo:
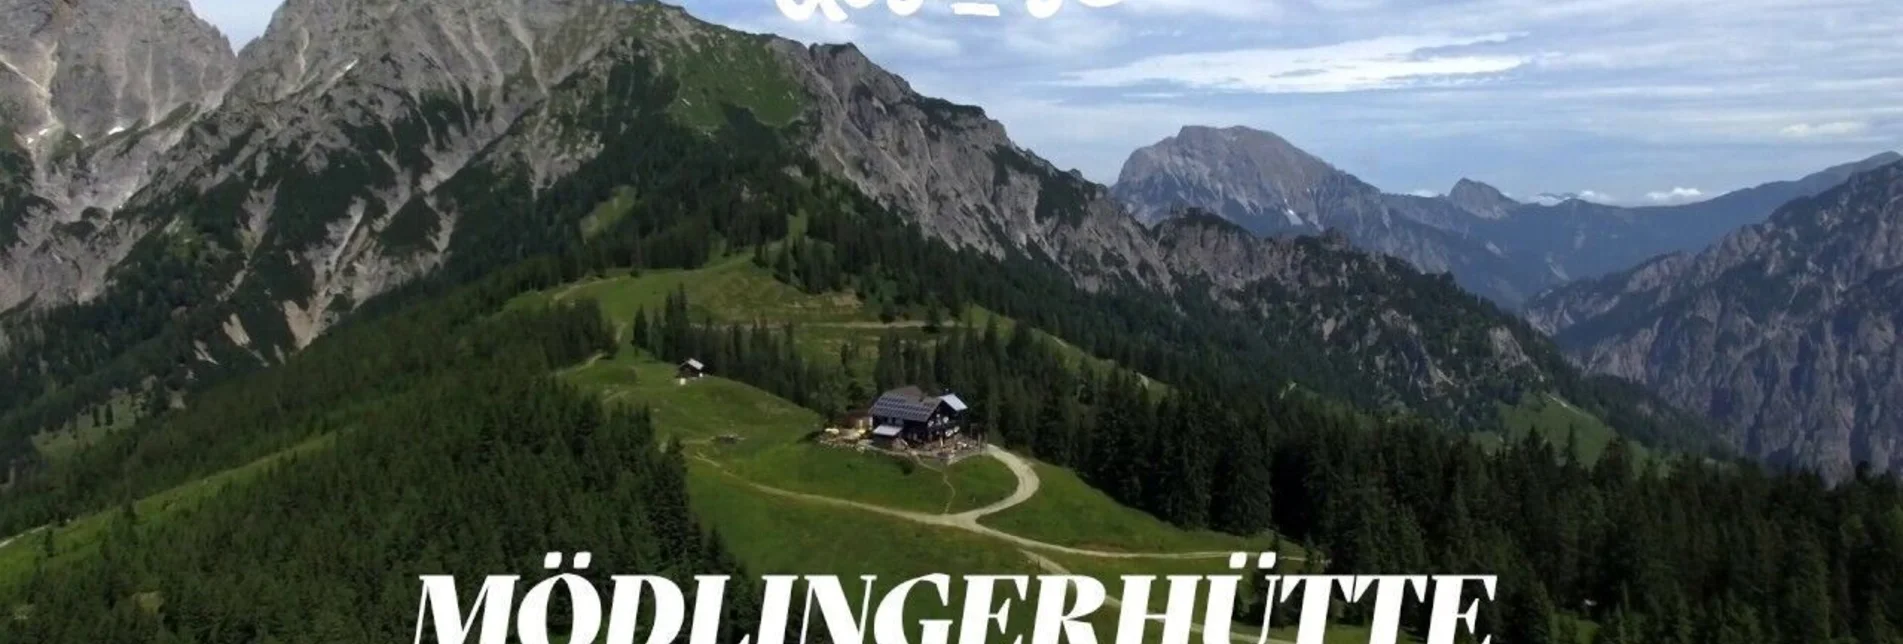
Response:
column 1786, row 332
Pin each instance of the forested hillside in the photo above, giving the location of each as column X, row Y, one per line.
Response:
column 431, row 441
column 1613, row 549
column 279, row 483
column 1784, row 332
column 243, row 247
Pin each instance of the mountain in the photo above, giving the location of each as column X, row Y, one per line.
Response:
column 91, row 96
column 1481, row 200
column 1786, row 331
column 364, row 152
column 1578, row 239
column 406, row 300
column 1493, row 245
column 1270, row 187
column 1375, row 332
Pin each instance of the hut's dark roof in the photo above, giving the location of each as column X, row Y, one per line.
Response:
column 911, row 404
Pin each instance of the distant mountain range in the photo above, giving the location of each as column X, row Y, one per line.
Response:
column 357, row 148
column 1787, row 331
column 1500, row 248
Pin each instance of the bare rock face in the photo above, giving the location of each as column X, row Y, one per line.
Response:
column 91, row 68
column 1787, row 331
column 1268, row 186
column 92, row 93
column 1481, row 200
column 960, row 174
column 353, row 148
column 1252, row 177
column 346, row 113
column 1494, row 246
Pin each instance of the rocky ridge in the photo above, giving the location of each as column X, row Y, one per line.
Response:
column 1786, row 332
column 359, row 142
column 1493, row 245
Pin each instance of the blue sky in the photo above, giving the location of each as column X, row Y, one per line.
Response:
column 1626, row 101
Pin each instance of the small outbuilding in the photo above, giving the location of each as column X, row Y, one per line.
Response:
column 692, row 369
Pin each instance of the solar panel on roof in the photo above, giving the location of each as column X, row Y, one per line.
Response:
column 901, row 407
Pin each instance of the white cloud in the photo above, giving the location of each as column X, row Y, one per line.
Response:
column 1597, row 197
column 1829, row 129
column 927, row 44
column 1068, row 37
column 1675, row 195
column 1379, row 63
column 1424, row 193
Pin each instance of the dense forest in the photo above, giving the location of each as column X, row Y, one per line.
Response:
column 1686, row 550
column 477, row 468
column 452, row 450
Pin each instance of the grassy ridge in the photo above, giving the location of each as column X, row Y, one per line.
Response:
column 21, row 554
column 771, row 533
column 1067, row 511
column 734, row 290
column 772, row 446
column 1559, row 422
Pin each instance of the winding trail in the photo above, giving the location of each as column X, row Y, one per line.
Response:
column 1028, row 483
column 9, row 540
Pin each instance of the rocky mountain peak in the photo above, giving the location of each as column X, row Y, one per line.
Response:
column 1255, row 170
column 467, row 43
column 1248, row 176
column 92, row 93
column 1484, row 201
column 1785, row 331
column 1273, row 188
column 94, row 68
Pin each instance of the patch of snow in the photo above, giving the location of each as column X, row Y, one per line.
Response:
column 116, row 130
column 1495, row 249
column 37, row 136
column 1293, row 219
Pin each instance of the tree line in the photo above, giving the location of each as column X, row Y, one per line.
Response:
column 1616, row 550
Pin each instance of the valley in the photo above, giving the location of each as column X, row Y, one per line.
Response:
column 411, row 288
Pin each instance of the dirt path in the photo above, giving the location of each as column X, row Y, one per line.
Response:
column 9, row 540
column 1242, row 637
column 1028, row 483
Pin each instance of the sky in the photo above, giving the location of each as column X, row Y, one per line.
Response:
column 1633, row 102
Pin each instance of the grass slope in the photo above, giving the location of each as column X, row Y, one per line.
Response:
column 21, row 554
column 775, row 534
column 1560, row 422
column 1068, row 511
column 734, row 290
column 772, row 447
column 81, row 431
column 720, row 69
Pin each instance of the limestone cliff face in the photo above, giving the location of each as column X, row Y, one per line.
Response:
column 296, row 155
column 346, row 113
column 1272, row 188
column 353, row 148
column 1481, row 200
column 1787, row 331
column 1494, row 246
column 960, row 174
column 92, row 94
